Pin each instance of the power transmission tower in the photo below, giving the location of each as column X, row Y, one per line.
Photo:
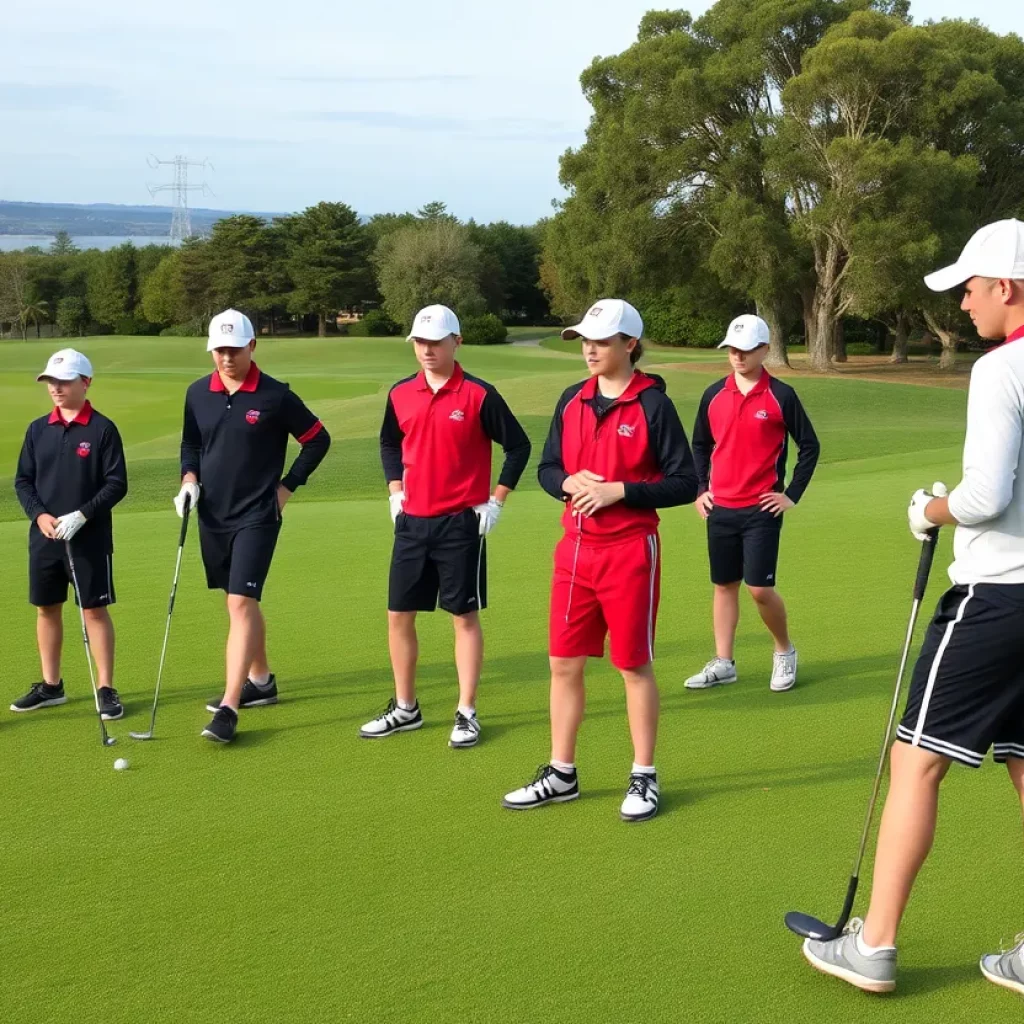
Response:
column 181, row 221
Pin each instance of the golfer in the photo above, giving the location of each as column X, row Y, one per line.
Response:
column 739, row 444
column 233, row 445
column 967, row 691
column 435, row 445
column 615, row 452
column 70, row 475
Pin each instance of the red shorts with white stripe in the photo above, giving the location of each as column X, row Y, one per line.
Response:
column 606, row 589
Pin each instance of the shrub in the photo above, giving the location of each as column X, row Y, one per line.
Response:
column 190, row 330
column 669, row 322
column 484, row 330
column 376, row 324
column 135, row 325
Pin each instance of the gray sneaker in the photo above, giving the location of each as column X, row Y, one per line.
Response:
column 842, row 959
column 1006, row 969
column 717, row 672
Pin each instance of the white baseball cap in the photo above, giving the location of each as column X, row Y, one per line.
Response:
column 67, row 364
column 434, row 323
column 746, row 333
column 229, row 329
column 996, row 250
column 605, row 319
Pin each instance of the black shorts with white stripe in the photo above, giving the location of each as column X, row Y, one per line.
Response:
column 438, row 561
column 967, row 694
column 49, row 574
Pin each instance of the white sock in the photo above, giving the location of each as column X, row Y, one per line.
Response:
column 465, row 709
column 406, row 706
column 643, row 769
column 565, row 767
column 864, row 949
column 263, row 680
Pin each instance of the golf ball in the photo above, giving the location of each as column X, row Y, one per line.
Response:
column 120, row 765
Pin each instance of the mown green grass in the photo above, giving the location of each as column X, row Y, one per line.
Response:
column 304, row 875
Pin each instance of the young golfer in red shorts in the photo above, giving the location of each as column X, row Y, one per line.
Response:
column 616, row 451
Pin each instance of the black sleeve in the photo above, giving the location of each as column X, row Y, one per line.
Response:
column 312, row 436
column 808, row 449
column 191, row 442
column 671, row 450
column 25, row 480
column 551, row 473
column 703, row 443
column 391, row 438
column 115, row 475
column 501, row 426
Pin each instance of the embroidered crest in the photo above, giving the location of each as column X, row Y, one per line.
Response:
column 458, row 415
column 227, row 328
column 83, row 449
column 252, row 416
column 626, row 430
column 761, row 414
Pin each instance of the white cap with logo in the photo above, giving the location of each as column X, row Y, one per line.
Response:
column 996, row 251
column 605, row 319
column 229, row 329
column 746, row 333
column 67, row 364
column 434, row 323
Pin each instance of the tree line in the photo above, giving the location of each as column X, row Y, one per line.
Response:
column 809, row 160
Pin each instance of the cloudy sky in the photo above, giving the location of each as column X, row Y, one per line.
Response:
column 384, row 104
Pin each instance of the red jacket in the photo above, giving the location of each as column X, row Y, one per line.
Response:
column 637, row 440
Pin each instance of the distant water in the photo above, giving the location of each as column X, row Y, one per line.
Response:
column 9, row 242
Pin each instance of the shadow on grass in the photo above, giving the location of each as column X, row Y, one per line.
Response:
column 919, row 981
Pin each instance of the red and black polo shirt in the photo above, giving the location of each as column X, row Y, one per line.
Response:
column 73, row 466
column 439, row 443
column 740, row 441
column 236, row 445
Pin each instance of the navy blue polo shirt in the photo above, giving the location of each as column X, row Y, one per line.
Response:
column 236, row 445
column 73, row 466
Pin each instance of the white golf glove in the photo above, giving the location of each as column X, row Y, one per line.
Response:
column 189, row 491
column 920, row 524
column 396, row 501
column 488, row 514
column 67, row 526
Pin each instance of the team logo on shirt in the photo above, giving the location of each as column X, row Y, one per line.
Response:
column 83, row 449
column 458, row 415
column 626, row 430
column 761, row 414
column 252, row 416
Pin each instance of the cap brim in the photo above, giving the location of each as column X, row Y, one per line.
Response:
column 591, row 335
column 743, row 348
column 231, row 342
column 54, row 376
column 948, row 277
column 430, row 337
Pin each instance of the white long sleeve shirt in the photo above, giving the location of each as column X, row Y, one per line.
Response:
column 988, row 546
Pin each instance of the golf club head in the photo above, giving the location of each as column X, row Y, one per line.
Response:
column 810, row 927
column 141, row 735
column 109, row 741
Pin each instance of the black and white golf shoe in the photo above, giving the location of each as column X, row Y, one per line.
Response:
column 111, row 708
column 253, row 695
column 391, row 720
column 42, row 695
column 550, row 786
column 223, row 726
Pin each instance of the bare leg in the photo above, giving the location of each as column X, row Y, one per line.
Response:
column 260, row 667
column 642, row 707
column 726, row 618
column 469, row 655
column 405, row 651
column 905, row 837
column 50, row 637
column 243, row 637
column 101, row 640
column 1015, row 766
column 772, row 610
column 567, row 702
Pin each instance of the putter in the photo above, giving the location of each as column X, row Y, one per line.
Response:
column 167, row 629
column 107, row 741
column 812, row 927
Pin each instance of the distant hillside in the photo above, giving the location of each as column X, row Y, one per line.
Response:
column 99, row 219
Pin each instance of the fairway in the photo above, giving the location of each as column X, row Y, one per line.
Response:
column 304, row 875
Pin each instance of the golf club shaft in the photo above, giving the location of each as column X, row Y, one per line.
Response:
column 85, row 639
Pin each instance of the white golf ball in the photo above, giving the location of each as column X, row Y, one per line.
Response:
column 120, row 765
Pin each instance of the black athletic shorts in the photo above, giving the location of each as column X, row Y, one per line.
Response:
column 49, row 574
column 438, row 557
column 743, row 544
column 238, row 562
column 967, row 693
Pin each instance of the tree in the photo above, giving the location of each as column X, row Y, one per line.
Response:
column 163, row 300
column 111, row 285
column 14, row 290
column 328, row 254
column 63, row 245
column 430, row 262
column 512, row 256
column 71, row 316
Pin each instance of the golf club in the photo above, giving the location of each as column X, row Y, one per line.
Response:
column 812, row 927
column 167, row 629
column 107, row 741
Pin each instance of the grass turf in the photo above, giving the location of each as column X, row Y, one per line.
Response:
column 305, row 875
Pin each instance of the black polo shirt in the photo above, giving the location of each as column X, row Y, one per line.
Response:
column 74, row 466
column 236, row 445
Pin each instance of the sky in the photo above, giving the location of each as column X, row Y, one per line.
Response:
column 382, row 104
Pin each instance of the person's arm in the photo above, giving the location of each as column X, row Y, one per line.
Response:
column 671, row 451
column 551, row 472
column 502, row 427
column 798, row 425
column 312, row 436
column 25, row 480
column 191, row 445
column 391, row 438
column 115, row 475
column 703, row 444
